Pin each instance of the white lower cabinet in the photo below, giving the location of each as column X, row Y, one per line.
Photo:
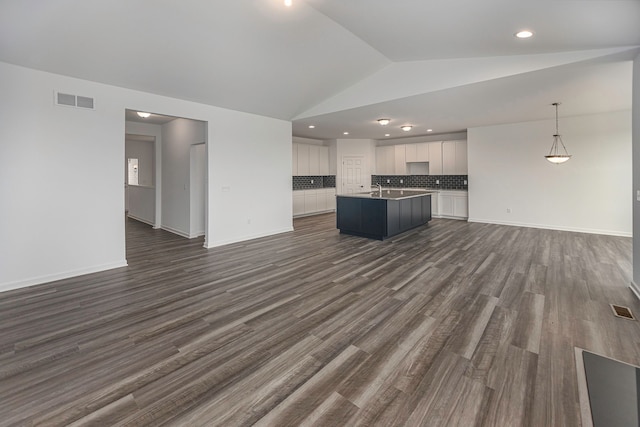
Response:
column 298, row 203
column 434, row 205
column 452, row 204
column 461, row 206
column 308, row 202
column 330, row 199
column 445, row 204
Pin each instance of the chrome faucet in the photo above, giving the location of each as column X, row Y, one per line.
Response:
column 379, row 187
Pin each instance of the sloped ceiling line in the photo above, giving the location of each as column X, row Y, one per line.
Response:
column 404, row 79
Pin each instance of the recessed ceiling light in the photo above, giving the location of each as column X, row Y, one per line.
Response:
column 312, row 127
column 429, row 130
column 384, row 122
column 143, row 115
column 406, row 128
column 345, row 133
column 524, row 34
column 387, row 134
column 288, row 3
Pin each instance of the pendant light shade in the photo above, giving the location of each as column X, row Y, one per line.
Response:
column 558, row 153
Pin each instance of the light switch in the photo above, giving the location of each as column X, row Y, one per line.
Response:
column 638, row 195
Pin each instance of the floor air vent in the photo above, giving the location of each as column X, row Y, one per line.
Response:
column 623, row 312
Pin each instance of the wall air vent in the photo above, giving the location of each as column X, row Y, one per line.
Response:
column 69, row 100
column 84, row 102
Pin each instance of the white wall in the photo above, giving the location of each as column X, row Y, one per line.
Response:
column 144, row 152
column 308, row 141
column 456, row 136
column 355, row 147
column 53, row 226
column 636, row 175
column 198, row 188
column 589, row 193
column 177, row 138
column 148, row 129
column 249, row 182
column 142, row 205
column 141, row 198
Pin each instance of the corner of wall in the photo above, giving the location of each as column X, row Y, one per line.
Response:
column 635, row 142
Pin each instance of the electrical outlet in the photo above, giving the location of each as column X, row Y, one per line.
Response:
column 508, row 210
column 401, row 181
column 437, row 182
column 388, row 181
column 465, row 182
column 312, row 181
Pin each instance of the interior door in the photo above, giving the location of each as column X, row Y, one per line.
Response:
column 353, row 175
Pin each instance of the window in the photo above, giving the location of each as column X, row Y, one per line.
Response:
column 133, row 172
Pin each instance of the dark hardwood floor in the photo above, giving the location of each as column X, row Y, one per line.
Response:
column 450, row 324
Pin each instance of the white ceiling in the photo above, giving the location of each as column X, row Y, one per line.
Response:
column 441, row 64
column 153, row 119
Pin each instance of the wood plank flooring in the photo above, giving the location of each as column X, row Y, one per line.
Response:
column 450, row 324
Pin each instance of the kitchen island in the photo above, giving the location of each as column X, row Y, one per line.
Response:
column 381, row 214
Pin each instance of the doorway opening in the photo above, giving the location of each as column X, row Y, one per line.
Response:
column 139, row 184
column 167, row 155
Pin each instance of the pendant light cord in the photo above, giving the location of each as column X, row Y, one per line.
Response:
column 557, row 133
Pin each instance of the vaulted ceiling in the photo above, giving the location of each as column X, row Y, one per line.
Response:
column 444, row 65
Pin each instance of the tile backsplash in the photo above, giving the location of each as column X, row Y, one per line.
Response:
column 311, row 182
column 446, row 182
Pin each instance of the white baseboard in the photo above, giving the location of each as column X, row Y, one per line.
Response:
column 635, row 289
column 196, row 234
column 314, row 213
column 176, row 231
column 151, row 223
column 32, row 281
column 218, row 243
column 459, row 218
column 553, row 227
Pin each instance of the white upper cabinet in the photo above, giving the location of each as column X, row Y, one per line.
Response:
column 400, row 159
column 454, row 158
column 435, row 158
column 411, row 152
column 310, row 160
column 448, row 157
column 303, row 160
column 422, row 152
column 385, row 160
column 417, row 152
column 444, row 158
column 323, row 160
column 294, row 159
column 314, row 160
column 461, row 158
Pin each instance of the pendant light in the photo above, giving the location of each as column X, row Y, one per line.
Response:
column 555, row 154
